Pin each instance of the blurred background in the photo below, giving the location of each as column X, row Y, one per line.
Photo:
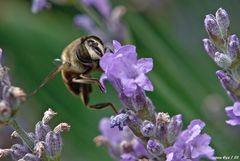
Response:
column 169, row 31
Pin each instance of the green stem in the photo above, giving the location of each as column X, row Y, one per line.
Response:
column 23, row 135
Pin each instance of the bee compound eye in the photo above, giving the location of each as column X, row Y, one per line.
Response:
column 83, row 55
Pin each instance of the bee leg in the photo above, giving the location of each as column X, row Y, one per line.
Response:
column 102, row 106
column 84, row 97
column 87, row 80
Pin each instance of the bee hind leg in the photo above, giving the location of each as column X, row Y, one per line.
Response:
column 102, row 106
column 85, row 89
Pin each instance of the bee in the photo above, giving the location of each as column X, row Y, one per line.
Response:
column 78, row 60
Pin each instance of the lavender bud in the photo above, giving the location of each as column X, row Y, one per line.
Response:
column 14, row 135
column 29, row 157
column 5, row 112
column 212, row 27
column 174, row 128
column 209, row 47
column 139, row 100
column 41, row 130
column 61, row 128
column 151, row 110
column 5, row 152
column 162, row 118
column 48, row 115
column 53, row 143
column 222, row 60
column 227, row 82
column 233, row 46
column 147, row 128
column 155, row 148
column 162, row 121
column 17, row 96
column 126, row 101
column 19, row 151
column 119, row 120
column 223, row 20
column 39, row 149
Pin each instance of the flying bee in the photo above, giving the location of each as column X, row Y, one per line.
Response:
column 78, row 60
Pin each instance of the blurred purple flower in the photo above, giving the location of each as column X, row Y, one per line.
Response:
column 102, row 6
column 111, row 27
column 85, row 22
column 39, row 5
column 233, row 113
column 124, row 71
column 10, row 96
column 191, row 145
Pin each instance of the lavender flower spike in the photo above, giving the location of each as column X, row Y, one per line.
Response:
column 47, row 142
column 233, row 113
column 10, row 96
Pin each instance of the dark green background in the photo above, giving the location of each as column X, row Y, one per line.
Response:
column 171, row 33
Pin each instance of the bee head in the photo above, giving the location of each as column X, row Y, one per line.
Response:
column 91, row 49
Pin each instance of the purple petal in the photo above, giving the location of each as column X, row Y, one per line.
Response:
column 113, row 134
column 233, row 119
column 129, row 86
column 129, row 51
column 103, row 80
column 106, row 61
column 201, row 147
column 236, row 109
column 143, row 82
column 145, row 64
column 116, row 45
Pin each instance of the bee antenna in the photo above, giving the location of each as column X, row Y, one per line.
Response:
column 48, row 78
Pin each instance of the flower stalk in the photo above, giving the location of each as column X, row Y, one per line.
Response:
column 224, row 49
column 21, row 133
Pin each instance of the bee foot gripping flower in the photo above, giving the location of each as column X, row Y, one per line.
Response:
column 224, row 49
column 47, row 142
column 158, row 134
